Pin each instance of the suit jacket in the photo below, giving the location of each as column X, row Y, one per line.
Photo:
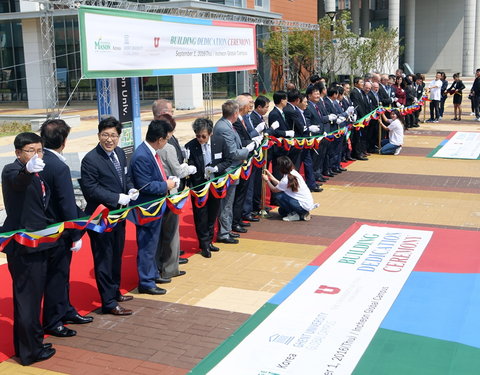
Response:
column 294, row 120
column 100, row 182
column 250, row 126
column 345, row 103
column 315, row 116
column 242, row 131
column 62, row 205
column 256, row 119
column 219, row 158
column 358, row 100
column 276, row 115
column 223, row 130
column 385, row 98
column 171, row 165
column 144, row 170
column 25, row 205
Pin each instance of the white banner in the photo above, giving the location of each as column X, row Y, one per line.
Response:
column 145, row 44
column 462, row 145
column 325, row 326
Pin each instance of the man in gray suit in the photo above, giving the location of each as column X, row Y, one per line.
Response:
column 224, row 130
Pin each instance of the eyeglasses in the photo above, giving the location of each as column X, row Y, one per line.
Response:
column 33, row 151
column 111, row 136
column 201, row 136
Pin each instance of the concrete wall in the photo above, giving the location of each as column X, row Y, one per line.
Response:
column 439, row 43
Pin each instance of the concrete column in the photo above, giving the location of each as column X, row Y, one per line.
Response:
column 476, row 60
column 394, row 24
column 469, row 37
column 355, row 10
column 365, row 17
column 188, row 91
column 32, row 49
column 410, row 33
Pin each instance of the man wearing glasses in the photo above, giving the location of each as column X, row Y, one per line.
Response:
column 26, row 197
column 105, row 181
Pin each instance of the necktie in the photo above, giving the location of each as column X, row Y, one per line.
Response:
column 160, row 166
column 44, row 190
column 117, row 166
column 206, row 155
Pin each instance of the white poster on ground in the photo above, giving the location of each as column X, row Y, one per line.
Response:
column 463, row 145
column 326, row 324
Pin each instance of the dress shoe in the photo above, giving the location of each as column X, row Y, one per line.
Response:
column 182, row 260
column 78, row 319
column 123, row 298
column 343, row 169
column 239, row 229
column 61, row 331
column 180, row 273
column 328, row 174
column 234, row 235
column 336, row 170
column 316, row 189
column 244, row 224
column 206, row 253
column 321, row 179
column 351, row 159
column 251, row 218
column 212, row 247
column 227, row 240
column 154, row 291
column 333, row 171
column 161, row 280
column 344, row 160
column 47, row 345
column 119, row 310
column 45, row 354
column 362, row 158
column 366, row 154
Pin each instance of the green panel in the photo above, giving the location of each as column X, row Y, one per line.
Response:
column 397, row 353
column 229, row 344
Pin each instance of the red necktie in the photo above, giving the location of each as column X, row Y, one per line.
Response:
column 160, row 165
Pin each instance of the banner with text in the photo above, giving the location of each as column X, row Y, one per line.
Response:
column 120, row 43
column 328, row 322
column 460, row 145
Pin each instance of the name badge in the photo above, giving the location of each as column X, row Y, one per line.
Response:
column 125, row 171
column 217, row 155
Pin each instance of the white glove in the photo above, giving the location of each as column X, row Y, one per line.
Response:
column 185, row 153
column 289, row 133
column 77, row 245
column 275, row 125
column 395, row 99
column 259, row 128
column 250, row 147
column 332, row 117
column 350, row 110
column 35, row 164
column 340, row 120
column 398, row 104
column 133, row 194
column 192, row 169
column 258, row 139
column 176, row 180
column 314, row 128
column 123, row 199
column 209, row 171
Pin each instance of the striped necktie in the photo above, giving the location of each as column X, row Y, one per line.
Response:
column 117, row 166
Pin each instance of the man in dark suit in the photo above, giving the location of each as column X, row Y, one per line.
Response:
column 26, row 197
column 316, row 114
column 148, row 174
column 105, row 182
column 385, row 92
column 211, row 159
column 357, row 96
column 62, row 206
column 334, row 152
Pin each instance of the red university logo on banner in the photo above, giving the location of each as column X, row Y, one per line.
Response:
column 156, row 41
column 324, row 289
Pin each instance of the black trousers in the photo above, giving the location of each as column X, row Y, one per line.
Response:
column 107, row 249
column 319, row 157
column 56, row 304
column 29, row 274
column 205, row 218
column 434, row 109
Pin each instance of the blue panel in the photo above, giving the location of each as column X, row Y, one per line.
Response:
column 186, row 20
column 444, row 306
column 288, row 289
column 167, row 72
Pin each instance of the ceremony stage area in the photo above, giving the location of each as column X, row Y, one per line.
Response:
column 174, row 333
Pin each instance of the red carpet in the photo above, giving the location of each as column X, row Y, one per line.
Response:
column 83, row 290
